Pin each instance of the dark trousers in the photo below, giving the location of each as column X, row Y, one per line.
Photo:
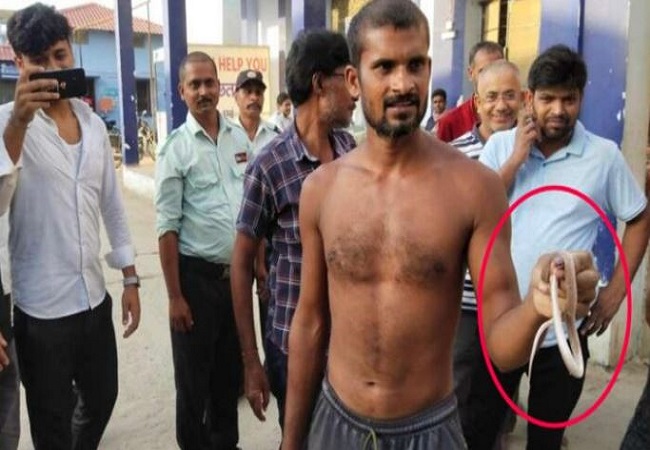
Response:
column 481, row 408
column 10, row 402
column 276, row 368
column 68, row 367
column 207, row 362
column 552, row 396
column 9, row 382
column 637, row 436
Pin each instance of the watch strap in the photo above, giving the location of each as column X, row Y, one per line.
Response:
column 131, row 281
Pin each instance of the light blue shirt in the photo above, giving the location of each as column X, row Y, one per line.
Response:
column 265, row 133
column 561, row 221
column 63, row 194
column 199, row 188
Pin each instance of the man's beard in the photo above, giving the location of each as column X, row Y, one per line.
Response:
column 556, row 134
column 404, row 127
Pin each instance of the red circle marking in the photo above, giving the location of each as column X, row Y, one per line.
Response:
column 628, row 317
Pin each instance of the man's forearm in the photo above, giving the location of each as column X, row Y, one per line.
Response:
column 510, row 338
column 634, row 243
column 241, row 279
column 306, row 368
column 168, row 249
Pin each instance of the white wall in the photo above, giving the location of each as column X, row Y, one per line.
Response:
column 272, row 32
column 635, row 139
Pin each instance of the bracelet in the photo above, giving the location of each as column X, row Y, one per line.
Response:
column 131, row 281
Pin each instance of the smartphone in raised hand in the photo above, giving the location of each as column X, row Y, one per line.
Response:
column 71, row 82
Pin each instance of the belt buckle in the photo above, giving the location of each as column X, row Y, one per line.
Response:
column 225, row 273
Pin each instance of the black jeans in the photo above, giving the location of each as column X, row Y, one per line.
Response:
column 276, row 368
column 207, row 362
column 68, row 367
column 552, row 396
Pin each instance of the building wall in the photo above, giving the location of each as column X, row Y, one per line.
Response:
column 98, row 57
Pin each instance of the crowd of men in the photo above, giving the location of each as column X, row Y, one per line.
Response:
column 366, row 258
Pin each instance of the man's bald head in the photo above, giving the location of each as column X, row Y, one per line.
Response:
column 498, row 97
column 498, row 68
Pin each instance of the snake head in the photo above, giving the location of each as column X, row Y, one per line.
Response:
column 556, row 276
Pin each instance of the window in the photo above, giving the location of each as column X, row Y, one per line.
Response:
column 515, row 25
column 139, row 40
column 80, row 36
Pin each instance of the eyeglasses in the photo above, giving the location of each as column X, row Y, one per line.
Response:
column 337, row 74
column 493, row 97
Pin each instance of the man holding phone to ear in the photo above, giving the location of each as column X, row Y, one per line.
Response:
column 63, row 314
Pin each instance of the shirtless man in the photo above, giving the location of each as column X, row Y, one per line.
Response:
column 386, row 232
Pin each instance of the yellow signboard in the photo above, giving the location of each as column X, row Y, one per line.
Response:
column 232, row 59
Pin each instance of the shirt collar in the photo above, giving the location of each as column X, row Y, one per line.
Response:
column 195, row 127
column 476, row 133
column 301, row 151
column 575, row 147
column 79, row 108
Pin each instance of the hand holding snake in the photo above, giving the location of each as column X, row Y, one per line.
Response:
column 564, row 298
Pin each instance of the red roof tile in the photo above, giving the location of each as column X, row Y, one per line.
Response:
column 92, row 16
column 6, row 53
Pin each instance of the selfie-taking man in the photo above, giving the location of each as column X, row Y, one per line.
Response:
column 66, row 187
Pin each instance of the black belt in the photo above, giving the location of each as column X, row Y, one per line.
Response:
column 200, row 265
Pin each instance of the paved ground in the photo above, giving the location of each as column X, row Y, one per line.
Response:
column 144, row 415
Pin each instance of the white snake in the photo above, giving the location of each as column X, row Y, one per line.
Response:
column 572, row 357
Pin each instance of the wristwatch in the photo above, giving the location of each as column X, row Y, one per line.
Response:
column 131, row 281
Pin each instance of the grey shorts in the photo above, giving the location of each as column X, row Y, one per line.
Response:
column 334, row 427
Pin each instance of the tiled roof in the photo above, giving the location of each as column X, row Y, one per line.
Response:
column 6, row 53
column 92, row 16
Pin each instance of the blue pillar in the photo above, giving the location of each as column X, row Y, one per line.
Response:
column 560, row 23
column 175, row 44
column 126, row 80
column 449, row 62
column 604, row 48
column 307, row 14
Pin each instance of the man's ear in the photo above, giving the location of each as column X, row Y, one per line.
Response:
column 317, row 83
column 352, row 81
column 477, row 101
column 19, row 61
column 527, row 96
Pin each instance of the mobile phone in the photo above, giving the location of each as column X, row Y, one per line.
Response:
column 72, row 82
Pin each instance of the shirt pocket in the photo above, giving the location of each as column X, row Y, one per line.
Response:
column 238, row 170
column 238, row 173
column 204, row 190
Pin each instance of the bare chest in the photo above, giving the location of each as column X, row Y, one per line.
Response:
column 417, row 239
